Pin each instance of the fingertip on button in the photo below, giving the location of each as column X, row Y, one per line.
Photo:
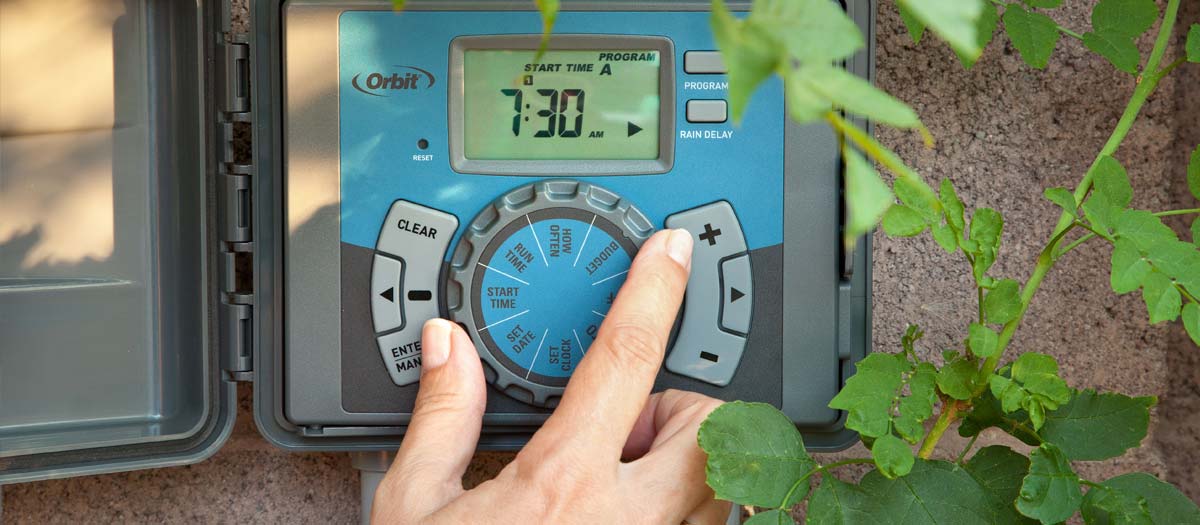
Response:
column 435, row 344
column 679, row 247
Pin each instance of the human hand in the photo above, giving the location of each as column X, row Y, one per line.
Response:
column 611, row 452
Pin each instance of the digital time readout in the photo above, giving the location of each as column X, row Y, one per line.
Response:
column 570, row 105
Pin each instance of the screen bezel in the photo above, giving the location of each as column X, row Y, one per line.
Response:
column 562, row 167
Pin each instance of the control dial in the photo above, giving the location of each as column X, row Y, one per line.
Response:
column 535, row 275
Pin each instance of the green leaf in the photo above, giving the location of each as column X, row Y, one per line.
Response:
column 397, row 5
column 1003, row 302
column 771, row 517
column 1196, row 231
column 918, row 196
column 1125, row 17
column 836, row 502
column 1193, row 46
column 1105, row 506
column 1050, row 492
column 902, row 221
column 934, row 492
column 1119, row 49
column 1179, row 260
column 1034, row 387
column 549, row 12
column 1094, row 426
column 1033, row 34
column 803, row 103
column 1193, row 167
column 985, row 28
column 1111, row 193
column 1129, row 268
column 987, row 225
column 944, row 235
column 1165, row 503
column 869, row 196
column 917, row 406
column 982, row 340
column 999, row 471
column 908, row 341
column 986, row 412
column 953, row 20
column 876, row 401
column 755, row 454
column 1162, row 299
column 855, row 95
column 1143, row 228
column 952, row 206
column 892, row 456
column 749, row 55
column 1063, row 198
column 957, row 378
column 1191, row 322
column 916, row 28
column 1044, row 4
column 1110, row 181
column 811, row 31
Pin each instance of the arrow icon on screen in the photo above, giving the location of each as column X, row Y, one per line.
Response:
column 633, row 129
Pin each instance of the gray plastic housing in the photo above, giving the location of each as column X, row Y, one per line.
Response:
column 847, row 327
column 110, row 352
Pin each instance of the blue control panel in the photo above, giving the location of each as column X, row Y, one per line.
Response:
column 529, row 263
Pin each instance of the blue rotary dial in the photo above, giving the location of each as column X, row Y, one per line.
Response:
column 543, row 285
column 534, row 276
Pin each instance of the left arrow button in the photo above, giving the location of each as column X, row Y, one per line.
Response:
column 386, row 276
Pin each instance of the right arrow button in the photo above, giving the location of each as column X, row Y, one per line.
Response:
column 736, row 294
column 632, row 129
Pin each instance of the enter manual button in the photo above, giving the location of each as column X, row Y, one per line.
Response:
column 736, row 298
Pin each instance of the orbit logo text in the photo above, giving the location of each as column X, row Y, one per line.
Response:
column 399, row 79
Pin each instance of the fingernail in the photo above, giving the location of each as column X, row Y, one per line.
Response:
column 679, row 247
column 435, row 344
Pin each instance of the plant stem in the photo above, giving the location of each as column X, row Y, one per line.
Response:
column 820, row 468
column 1168, row 213
column 1075, row 244
column 1128, row 117
column 948, row 415
column 876, row 151
column 966, row 449
column 1046, row 260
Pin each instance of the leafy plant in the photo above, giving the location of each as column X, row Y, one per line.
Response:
column 756, row 456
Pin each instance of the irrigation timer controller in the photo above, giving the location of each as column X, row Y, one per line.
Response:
column 435, row 166
column 406, row 166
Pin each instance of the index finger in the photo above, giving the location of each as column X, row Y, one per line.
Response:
column 611, row 384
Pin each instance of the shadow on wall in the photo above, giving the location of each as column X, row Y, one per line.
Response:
column 74, row 143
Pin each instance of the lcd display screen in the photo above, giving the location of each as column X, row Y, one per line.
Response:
column 570, row 105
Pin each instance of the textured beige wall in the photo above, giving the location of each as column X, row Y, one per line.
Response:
column 1003, row 133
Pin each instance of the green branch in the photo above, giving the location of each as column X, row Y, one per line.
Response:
column 1066, row 219
column 966, row 449
column 1046, row 259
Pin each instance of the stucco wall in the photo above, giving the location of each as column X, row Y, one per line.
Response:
column 1003, row 133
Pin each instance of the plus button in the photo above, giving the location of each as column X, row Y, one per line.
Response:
column 710, row 234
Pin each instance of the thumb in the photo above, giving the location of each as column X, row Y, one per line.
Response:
column 446, row 420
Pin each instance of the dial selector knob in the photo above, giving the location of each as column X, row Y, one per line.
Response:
column 534, row 276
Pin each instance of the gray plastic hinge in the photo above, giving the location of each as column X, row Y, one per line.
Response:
column 233, row 75
column 236, row 339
